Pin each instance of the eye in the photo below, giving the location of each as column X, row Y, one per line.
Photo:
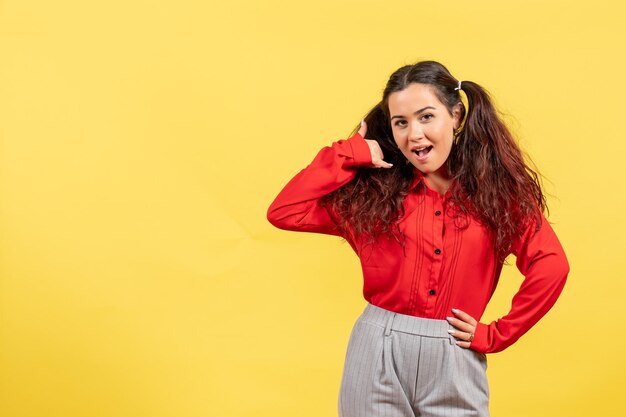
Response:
column 398, row 122
column 427, row 114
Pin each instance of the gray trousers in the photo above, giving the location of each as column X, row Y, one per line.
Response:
column 399, row 366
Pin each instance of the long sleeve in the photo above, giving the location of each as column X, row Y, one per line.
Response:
column 297, row 206
column 542, row 261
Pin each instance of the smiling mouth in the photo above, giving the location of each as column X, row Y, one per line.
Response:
column 422, row 152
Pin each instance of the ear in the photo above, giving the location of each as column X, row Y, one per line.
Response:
column 456, row 115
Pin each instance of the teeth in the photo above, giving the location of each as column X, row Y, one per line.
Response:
column 421, row 151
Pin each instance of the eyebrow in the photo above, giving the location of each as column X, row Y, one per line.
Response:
column 417, row 112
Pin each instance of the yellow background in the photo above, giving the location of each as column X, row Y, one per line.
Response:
column 142, row 142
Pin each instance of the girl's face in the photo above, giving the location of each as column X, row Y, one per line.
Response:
column 422, row 128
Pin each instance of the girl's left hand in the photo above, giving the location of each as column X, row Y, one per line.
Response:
column 465, row 327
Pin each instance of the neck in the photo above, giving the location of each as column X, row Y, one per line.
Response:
column 438, row 184
column 439, row 180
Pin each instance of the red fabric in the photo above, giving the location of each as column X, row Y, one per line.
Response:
column 419, row 281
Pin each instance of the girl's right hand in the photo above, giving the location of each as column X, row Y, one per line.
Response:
column 375, row 150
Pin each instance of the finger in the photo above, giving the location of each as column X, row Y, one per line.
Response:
column 363, row 128
column 464, row 316
column 381, row 164
column 376, row 153
column 465, row 345
column 461, row 336
column 461, row 325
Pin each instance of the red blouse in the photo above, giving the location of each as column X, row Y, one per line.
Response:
column 443, row 266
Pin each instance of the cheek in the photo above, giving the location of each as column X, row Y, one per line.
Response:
column 436, row 131
column 443, row 134
column 397, row 138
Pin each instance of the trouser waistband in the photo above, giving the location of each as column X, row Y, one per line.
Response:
column 405, row 323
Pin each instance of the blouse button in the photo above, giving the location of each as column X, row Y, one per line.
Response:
column 437, row 251
column 432, row 292
column 437, row 213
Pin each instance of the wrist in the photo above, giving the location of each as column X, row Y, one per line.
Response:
column 360, row 150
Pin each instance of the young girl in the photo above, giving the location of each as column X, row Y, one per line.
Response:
column 432, row 202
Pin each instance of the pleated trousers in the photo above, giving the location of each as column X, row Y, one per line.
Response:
column 398, row 365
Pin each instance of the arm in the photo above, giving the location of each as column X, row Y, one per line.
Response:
column 296, row 207
column 541, row 259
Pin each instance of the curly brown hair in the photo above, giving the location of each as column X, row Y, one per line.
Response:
column 491, row 177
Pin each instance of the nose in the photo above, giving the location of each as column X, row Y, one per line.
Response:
column 415, row 131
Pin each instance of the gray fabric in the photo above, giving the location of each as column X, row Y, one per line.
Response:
column 398, row 365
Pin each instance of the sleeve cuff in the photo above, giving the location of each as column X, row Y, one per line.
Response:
column 360, row 150
column 480, row 343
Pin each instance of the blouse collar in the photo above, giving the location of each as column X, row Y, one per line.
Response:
column 418, row 178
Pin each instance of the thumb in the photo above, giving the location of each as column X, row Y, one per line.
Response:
column 363, row 128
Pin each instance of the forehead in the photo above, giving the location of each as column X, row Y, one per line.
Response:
column 413, row 97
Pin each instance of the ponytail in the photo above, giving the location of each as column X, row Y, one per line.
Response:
column 491, row 172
